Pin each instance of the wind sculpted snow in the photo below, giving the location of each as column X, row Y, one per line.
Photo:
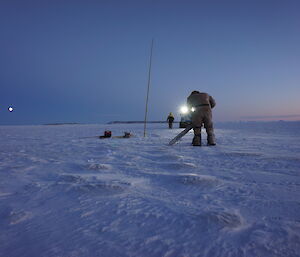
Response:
column 64, row 192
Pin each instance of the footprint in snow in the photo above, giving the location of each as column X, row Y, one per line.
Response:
column 99, row 166
column 163, row 157
column 199, row 180
column 178, row 166
column 102, row 188
column 12, row 217
column 221, row 219
column 70, row 178
column 243, row 154
column 76, row 183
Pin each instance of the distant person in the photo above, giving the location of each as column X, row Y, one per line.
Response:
column 202, row 103
column 170, row 120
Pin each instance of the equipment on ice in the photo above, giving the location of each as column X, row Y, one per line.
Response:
column 181, row 134
column 107, row 134
column 126, row 135
column 185, row 116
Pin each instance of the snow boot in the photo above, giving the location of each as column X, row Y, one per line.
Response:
column 197, row 137
column 211, row 140
column 197, row 141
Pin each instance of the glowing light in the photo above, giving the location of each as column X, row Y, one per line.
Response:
column 10, row 109
column 184, row 109
column 193, row 109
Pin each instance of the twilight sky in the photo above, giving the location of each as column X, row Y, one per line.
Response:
column 87, row 61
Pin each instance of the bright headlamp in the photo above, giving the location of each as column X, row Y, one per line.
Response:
column 184, row 109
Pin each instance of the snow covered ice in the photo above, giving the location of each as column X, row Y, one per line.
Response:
column 66, row 193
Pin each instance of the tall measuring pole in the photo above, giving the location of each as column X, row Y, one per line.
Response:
column 148, row 87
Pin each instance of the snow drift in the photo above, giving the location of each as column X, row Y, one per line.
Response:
column 63, row 194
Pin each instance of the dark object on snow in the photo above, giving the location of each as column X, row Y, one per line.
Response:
column 185, row 120
column 107, row 134
column 126, row 135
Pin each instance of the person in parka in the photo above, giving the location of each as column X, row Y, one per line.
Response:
column 201, row 104
column 170, row 120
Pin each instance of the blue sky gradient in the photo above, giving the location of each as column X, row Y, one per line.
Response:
column 87, row 61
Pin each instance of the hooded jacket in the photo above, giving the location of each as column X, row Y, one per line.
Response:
column 197, row 99
column 170, row 117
